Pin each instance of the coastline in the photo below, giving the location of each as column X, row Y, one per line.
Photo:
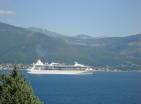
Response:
column 73, row 70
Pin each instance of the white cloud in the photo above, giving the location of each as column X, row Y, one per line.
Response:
column 6, row 12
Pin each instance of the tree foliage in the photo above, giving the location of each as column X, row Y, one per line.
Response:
column 15, row 90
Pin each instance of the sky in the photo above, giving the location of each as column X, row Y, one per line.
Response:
column 96, row 18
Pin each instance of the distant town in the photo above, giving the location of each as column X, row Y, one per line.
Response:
column 105, row 68
column 10, row 66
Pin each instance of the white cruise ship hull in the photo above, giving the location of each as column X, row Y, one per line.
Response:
column 56, row 68
column 58, row 72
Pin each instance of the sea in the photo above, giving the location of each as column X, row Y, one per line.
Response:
column 97, row 88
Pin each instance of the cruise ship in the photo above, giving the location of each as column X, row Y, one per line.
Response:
column 56, row 68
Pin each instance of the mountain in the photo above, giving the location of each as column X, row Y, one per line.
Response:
column 83, row 36
column 25, row 45
column 46, row 32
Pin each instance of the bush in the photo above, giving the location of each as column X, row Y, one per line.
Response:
column 15, row 90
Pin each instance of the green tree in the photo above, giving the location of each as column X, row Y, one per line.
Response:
column 15, row 90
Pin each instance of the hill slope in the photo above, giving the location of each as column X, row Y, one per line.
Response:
column 21, row 45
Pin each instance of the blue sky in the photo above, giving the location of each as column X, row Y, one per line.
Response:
column 71, row 17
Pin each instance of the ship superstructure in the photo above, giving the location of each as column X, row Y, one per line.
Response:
column 56, row 68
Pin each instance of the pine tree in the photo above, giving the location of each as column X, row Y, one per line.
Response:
column 15, row 90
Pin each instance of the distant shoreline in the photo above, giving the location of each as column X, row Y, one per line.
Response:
column 94, row 70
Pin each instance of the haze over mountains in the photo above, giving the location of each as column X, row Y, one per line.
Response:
column 25, row 45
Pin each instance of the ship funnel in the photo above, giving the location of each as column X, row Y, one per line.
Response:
column 39, row 62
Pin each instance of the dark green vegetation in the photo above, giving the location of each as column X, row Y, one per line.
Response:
column 22, row 45
column 15, row 90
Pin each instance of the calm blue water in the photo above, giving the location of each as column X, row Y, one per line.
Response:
column 100, row 88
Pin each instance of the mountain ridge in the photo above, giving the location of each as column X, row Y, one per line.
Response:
column 22, row 45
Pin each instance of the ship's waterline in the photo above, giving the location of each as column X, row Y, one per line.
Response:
column 57, row 72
